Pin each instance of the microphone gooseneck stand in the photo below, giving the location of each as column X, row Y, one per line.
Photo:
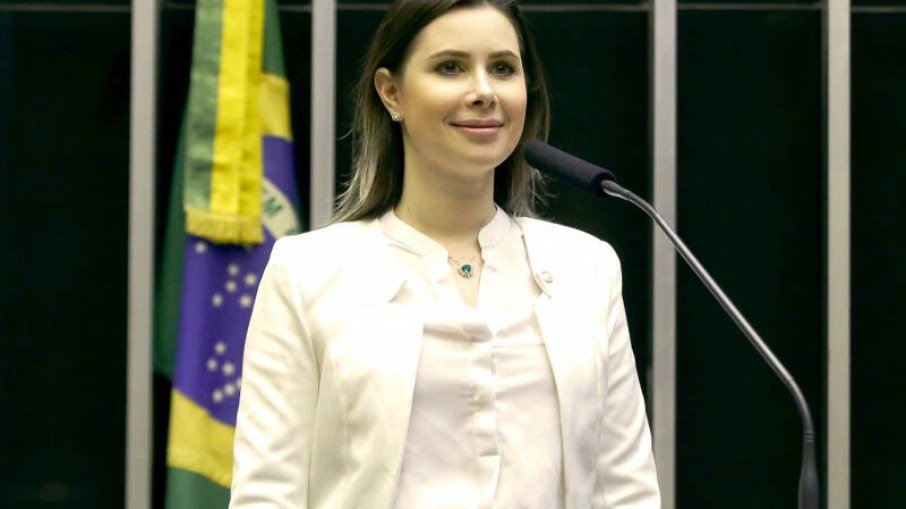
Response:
column 808, row 475
column 601, row 182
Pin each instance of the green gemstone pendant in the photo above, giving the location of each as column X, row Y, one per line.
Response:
column 463, row 267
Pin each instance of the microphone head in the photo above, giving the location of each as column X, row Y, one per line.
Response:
column 550, row 160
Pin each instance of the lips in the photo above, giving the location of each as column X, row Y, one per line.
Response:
column 479, row 128
column 478, row 123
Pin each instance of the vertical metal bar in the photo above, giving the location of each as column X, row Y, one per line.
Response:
column 837, row 61
column 142, row 128
column 663, row 147
column 323, row 83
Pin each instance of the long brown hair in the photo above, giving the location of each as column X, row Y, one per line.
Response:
column 377, row 142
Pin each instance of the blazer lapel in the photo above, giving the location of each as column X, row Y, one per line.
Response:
column 389, row 341
column 572, row 351
column 573, row 362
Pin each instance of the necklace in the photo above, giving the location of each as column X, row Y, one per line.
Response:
column 463, row 267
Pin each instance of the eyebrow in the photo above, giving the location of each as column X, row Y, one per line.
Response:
column 463, row 54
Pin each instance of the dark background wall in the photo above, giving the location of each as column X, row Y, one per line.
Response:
column 878, row 270
column 750, row 204
column 64, row 173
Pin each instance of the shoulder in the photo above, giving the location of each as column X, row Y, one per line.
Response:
column 565, row 243
column 322, row 255
column 582, row 264
column 342, row 261
column 330, row 244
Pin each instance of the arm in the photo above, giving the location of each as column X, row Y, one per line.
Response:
column 626, row 475
column 278, row 397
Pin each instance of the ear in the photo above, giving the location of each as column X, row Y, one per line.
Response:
column 387, row 88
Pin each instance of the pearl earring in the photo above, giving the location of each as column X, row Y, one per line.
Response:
column 395, row 116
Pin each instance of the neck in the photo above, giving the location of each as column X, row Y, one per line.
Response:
column 450, row 211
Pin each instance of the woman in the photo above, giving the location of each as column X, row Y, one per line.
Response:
column 433, row 349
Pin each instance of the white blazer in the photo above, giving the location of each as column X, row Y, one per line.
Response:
column 330, row 364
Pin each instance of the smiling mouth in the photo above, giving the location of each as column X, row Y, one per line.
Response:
column 478, row 123
column 479, row 129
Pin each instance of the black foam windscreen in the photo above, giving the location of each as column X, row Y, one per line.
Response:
column 557, row 162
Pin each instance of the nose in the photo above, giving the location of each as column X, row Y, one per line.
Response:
column 482, row 94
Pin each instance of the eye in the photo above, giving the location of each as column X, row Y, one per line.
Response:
column 503, row 69
column 449, row 67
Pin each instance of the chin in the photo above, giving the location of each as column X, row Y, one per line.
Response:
column 481, row 164
column 486, row 157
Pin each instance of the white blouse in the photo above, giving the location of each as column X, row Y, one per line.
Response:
column 484, row 430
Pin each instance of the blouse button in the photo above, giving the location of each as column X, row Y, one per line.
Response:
column 546, row 277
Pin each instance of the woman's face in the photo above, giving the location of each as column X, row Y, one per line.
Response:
column 461, row 93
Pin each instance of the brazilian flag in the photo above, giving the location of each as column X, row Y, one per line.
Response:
column 234, row 194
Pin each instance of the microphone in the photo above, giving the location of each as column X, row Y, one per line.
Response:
column 577, row 171
column 600, row 181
